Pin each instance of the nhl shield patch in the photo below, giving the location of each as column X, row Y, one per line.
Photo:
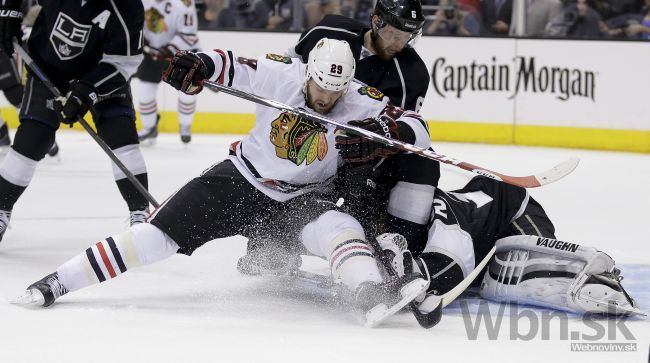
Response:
column 68, row 37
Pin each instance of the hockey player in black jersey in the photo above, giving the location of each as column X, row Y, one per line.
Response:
column 89, row 50
column 383, row 49
column 531, row 265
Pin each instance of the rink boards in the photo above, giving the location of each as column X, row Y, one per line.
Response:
column 583, row 94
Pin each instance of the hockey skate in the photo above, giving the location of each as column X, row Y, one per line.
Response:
column 138, row 216
column 261, row 259
column 5, row 216
column 149, row 134
column 42, row 293
column 186, row 134
column 380, row 301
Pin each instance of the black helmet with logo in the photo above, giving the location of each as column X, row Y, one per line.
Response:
column 405, row 15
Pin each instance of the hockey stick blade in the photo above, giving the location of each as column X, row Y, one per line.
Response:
column 429, row 312
column 530, row 181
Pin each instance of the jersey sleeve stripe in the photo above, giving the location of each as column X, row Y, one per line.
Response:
column 222, row 73
column 126, row 30
column 325, row 28
column 231, row 69
column 401, row 78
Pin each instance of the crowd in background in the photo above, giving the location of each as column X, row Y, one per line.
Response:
column 617, row 19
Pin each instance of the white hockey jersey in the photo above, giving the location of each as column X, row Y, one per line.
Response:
column 171, row 22
column 285, row 155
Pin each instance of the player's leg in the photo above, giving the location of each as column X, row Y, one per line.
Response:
column 11, row 86
column 556, row 274
column 148, row 110
column 340, row 239
column 115, row 120
column 219, row 203
column 410, row 201
column 186, row 109
column 34, row 137
column 149, row 74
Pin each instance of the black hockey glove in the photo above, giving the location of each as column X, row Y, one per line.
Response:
column 11, row 18
column 357, row 149
column 76, row 103
column 187, row 71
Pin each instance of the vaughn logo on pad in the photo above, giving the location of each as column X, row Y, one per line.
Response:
column 69, row 37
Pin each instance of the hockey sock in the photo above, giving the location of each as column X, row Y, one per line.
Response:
column 339, row 238
column 131, row 157
column 186, row 109
column 16, row 172
column 141, row 245
column 148, row 105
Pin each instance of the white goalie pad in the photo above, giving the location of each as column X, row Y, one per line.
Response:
column 556, row 274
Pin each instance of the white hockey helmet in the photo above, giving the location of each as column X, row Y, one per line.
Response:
column 331, row 64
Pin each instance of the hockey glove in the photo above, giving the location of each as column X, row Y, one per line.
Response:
column 11, row 18
column 76, row 103
column 187, row 71
column 358, row 149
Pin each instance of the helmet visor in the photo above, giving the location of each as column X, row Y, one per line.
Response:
column 395, row 38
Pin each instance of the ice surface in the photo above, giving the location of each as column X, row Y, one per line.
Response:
column 200, row 308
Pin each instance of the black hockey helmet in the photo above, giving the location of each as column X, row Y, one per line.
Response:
column 405, row 15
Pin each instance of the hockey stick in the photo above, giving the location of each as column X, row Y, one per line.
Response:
column 433, row 302
column 55, row 91
column 531, row 181
column 427, row 319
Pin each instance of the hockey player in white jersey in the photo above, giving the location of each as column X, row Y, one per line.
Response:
column 531, row 266
column 283, row 157
column 170, row 26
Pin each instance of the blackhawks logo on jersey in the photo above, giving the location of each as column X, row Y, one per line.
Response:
column 278, row 58
column 154, row 21
column 298, row 139
column 371, row 92
column 187, row 2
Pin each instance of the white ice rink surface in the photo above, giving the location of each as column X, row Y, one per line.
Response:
column 199, row 308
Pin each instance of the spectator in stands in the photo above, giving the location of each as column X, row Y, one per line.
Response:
column 280, row 14
column 208, row 13
column 449, row 20
column 317, row 9
column 580, row 20
column 496, row 16
column 243, row 14
column 646, row 19
column 539, row 14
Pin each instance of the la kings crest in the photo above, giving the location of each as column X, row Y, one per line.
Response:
column 68, row 37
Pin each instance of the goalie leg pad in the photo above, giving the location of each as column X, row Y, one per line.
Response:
column 555, row 274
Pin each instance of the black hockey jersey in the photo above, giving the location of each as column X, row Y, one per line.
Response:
column 466, row 223
column 99, row 41
column 404, row 79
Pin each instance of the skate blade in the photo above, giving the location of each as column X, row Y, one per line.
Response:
column 409, row 292
column 29, row 298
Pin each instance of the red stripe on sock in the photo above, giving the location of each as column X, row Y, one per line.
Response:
column 346, row 249
column 107, row 262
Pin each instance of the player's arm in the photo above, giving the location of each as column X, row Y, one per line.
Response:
column 122, row 54
column 122, row 50
column 393, row 123
column 188, row 70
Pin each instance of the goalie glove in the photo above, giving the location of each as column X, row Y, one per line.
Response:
column 187, row 71
column 358, row 149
